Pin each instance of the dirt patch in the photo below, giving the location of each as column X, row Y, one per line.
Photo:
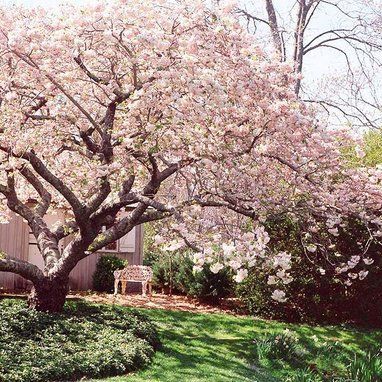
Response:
column 155, row 301
column 161, row 301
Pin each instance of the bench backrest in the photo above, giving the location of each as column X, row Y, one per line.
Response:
column 134, row 273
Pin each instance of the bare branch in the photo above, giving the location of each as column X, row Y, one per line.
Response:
column 273, row 25
column 92, row 76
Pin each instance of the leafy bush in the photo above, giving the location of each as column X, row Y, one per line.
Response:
column 277, row 346
column 205, row 284
column 175, row 272
column 103, row 278
column 84, row 341
column 312, row 297
column 366, row 368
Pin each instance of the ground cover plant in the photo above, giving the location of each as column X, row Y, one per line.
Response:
column 83, row 341
column 225, row 348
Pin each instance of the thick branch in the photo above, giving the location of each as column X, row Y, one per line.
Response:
column 20, row 267
column 92, row 76
column 65, row 229
column 13, row 202
column 99, row 197
column 46, row 197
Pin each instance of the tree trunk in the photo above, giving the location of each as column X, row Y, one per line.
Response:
column 49, row 295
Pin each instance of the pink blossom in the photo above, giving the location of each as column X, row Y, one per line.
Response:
column 279, row 295
column 241, row 275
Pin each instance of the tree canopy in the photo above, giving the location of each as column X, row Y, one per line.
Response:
column 126, row 112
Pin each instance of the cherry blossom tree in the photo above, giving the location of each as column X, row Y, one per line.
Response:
column 126, row 112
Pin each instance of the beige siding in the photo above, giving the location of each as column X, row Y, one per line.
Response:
column 138, row 255
column 81, row 277
column 13, row 241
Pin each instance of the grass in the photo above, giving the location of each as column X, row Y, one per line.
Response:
column 221, row 348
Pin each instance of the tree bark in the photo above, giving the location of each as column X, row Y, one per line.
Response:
column 49, row 294
column 275, row 31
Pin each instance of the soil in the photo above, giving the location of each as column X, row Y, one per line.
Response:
column 163, row 301
column 155, row 301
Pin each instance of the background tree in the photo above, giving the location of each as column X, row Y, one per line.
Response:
column 348, row 32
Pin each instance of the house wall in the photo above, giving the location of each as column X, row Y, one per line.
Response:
column 81, row 277
column 14, row 240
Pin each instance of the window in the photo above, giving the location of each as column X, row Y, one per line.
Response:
column 112, row 247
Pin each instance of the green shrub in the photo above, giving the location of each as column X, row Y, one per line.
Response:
column 175, row 272
column 103, row 278
column 84, row 341
column 366, row 368
column 205, row 284
column 277, row 346
column 254, row 292
column 312, row 297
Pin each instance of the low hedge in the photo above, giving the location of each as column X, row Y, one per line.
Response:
column 84, row 341
column 103, row 277
column 175, row 270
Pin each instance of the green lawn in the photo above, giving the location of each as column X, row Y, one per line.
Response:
column 220, row 348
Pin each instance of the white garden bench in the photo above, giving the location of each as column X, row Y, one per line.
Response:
column 135, row 273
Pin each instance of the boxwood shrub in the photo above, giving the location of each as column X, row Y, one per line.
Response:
column 175, row 270
column 84, row 341
column 103, row 277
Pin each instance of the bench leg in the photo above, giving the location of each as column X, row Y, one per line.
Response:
column 124, row 283
column 144, row 288
column 116, row 283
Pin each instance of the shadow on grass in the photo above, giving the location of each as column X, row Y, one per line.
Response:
column 203, row 347
column 219, row 348
column 196, row 345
